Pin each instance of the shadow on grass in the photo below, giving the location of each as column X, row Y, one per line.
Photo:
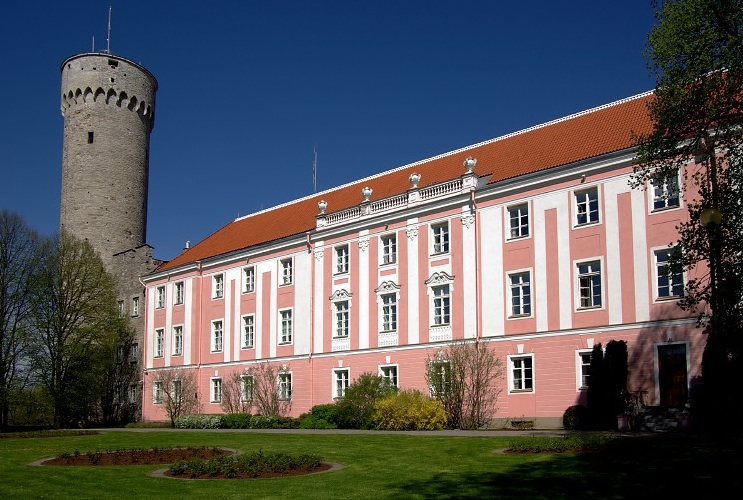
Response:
column 634, row 467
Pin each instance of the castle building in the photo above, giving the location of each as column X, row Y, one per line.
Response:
column 108, row 105
column 533, row 244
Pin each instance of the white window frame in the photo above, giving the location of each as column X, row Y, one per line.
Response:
column 522, row 303
column 440, row 238
column 342, row 312
column 286, row 276
column 582, row 201
column 342, row 255
column 284, row 386
column 133, row 393
column 157, row 392
column 441, row 304
column 134, row 352
column 179, row 293
column 217, row 335
column 159, row 342
column 248, row 331
column 581, row 368
column 671, row 278
column 215, row 392
column 341, row 381
column 442, row 368
column 591, row 274
column 517, row 374
column 388, row 312
column 178, row 340
column 518, row 221
column 135, row 306
column 390, row 373
column 246, row 396
column 160, row 297
column 177, row 389
column 286, row 326
column 218, row 286
column 388, row 249
column 249, row 279
column 660, row 192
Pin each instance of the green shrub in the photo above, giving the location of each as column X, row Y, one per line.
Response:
column 201, row 421
column 319, row 417
column 409, row 410
column 576, row 417
column 237, row 421
column 261, row 422
column 356, row 409
column 252, row 464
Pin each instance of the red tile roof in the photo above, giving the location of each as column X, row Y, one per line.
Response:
column 584, row 135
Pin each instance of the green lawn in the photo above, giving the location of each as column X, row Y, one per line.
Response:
column 384, row 466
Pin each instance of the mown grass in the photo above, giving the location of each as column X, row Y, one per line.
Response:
column 388, row 466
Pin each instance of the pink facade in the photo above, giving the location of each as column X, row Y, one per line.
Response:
column 539, row 266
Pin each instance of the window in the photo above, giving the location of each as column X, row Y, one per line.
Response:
column 133, row 397
column 439, row 374
column 177, row 340
column 218, row 286
column 389, row 374
column 134, row 353
column 389, row 312
column 135, row 306
column 522, row 374
column 341, row 259
column 216, row 390
column 520, row 284
column 285, row 386
column 160, row 297
column 177, row 391
column 285, row 318
column 159, row 343
column 249, row 279
column 440, row 235
column 441, row 305
column 341, row 318
column 669, row 274
column 389, row 249
column 246, row 388
column 341, row 379
column 584, row 365
column 665, row 193
column 518, row 224
column 589, row 284
column 286, row 272
column 180, row 293
column 121, row 309
column 248, row 331
column 217, row 336
column 157, row 392
column 587, row 206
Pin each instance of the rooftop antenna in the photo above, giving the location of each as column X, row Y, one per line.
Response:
column 108, row 37
column 314, row 169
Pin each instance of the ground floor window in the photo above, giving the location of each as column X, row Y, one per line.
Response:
column 341, row 378
column 522, row 373
column 389, row 373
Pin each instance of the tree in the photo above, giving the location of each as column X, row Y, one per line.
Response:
column 464, row 378
column 271, row 390
column 76, row 325
column 179, row 392
column 19, row 263
column 237, row 393
column 696, row 52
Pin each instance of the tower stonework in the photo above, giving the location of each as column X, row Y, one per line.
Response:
column 108, row 105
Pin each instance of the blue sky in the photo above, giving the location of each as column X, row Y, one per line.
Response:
column 248, row 88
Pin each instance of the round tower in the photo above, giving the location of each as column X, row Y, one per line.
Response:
column 108, row 105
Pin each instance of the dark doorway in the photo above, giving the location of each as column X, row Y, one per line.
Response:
column 672, row 374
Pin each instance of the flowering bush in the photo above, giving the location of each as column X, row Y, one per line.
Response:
column 201, row 421
column 409, row 410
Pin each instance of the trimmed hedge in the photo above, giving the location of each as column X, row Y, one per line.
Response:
column 409, row 410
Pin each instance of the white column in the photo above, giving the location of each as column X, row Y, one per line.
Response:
column 318, row 295
column 364, row 286
column 469, row 281
column 411, row 233
column 491, row 273
column 613, row 264
column 640, row 252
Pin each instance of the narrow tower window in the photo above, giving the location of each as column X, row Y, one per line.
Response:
column 90, row 137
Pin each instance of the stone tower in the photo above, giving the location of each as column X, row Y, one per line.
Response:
column 108, row 105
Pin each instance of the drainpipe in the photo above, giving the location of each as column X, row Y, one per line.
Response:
column 312, row 319
column 198, row 346
column 143, row 368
